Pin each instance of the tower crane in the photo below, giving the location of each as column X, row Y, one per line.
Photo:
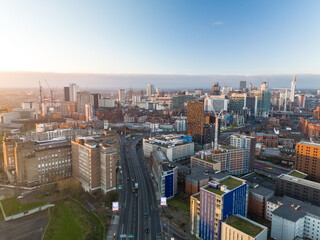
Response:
column 217, row 117
column 51, row 95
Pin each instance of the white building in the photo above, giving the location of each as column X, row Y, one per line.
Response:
column 106, row 102
column 247, row 143
column 73, row 90
column 218, row 103
column 175, row 147
column 292, row 218
column 293, row 88
column 122, row 96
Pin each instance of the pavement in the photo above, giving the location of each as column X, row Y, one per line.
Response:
column 26, row 228
column 113, row 228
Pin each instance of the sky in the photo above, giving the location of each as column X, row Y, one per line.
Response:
column 189, row 37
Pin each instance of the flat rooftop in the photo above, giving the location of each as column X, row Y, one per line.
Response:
column 298, row 174
column 230, row 182
column 310, row 144
column 301, row 181
column 243, row 225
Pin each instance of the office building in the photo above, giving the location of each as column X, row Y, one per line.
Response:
column 250, row 87
column 308, row 159
column 175, row 147
column 198, row 92
column 215, row 89
column 248, row 144
column 94, row 163
column 83, row 98
column 295, row 185
column 140, row 92
column 122, row 95
column 130, row 93
column 238, row 227
column 31, row 163
column 219, row 200
column 150, row 90
column 66, row 94
column 293, row 89
column 73, row 90
column 195, row 120
column 94, row 100
column 293, row 219
column 243, row 86
column 166, row 174
column 107, row 103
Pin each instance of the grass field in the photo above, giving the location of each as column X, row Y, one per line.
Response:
column 13, row 206
column 71, row 221
column 182, row 205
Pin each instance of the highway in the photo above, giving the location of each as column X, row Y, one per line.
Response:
column 139, row 216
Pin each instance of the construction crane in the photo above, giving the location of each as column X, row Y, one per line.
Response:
column 217, row 117
column 51, row 95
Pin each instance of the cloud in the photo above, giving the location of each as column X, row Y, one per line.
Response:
column 217, row 23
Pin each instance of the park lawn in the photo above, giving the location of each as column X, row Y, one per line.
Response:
column 182, row 205
column 71, row 221
column 13, row 206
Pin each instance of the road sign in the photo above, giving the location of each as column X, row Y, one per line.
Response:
column 120, row 187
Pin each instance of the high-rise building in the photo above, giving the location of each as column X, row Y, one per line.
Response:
column 293, row 88
column 250, row 87
column 94, row 163
column 150, row 90
column 264, row 87
column 243, row 85
column 67, row 94
column 83, row 98
column 198, row 92
column 248, row 144
column 73, row 89
column 130, row 93
column 219, row 200
column 215, row 89
column 140, row 92
column 195, row 120
column 122, row 96
column 225, row 90
column 94, row 100
column 308, row 159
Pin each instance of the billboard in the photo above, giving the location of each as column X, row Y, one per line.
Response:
column 163, row 201
column 115, row 206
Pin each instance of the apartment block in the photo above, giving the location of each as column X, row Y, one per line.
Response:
column 238, row 227
column 94, row 163
column 308, row 159
column 219, row 200
column 294, row 185
column 248, row 144
column 225, row 158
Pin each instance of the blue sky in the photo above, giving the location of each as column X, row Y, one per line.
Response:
column 161, row 37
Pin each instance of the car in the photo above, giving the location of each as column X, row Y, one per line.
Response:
column 132, row 179
column 136, row 195
column 147, row 230
column 128, row 179
column 114, row 235
column 146, row 214
column 20, row 197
